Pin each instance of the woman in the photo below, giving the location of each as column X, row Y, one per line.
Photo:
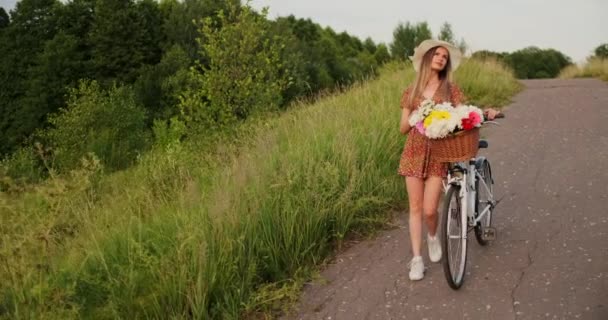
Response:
column 434, row 61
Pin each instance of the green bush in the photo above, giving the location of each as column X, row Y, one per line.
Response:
column 21, row 167
column 168, row 133
column 107, row 123
column 534, row 63
column 242, row 77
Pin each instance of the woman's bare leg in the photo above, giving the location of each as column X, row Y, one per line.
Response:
column 415, row 194
column 432, row 193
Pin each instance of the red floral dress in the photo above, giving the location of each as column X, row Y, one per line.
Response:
column 417, row 159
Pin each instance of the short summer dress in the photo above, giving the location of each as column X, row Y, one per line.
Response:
column 417, row 159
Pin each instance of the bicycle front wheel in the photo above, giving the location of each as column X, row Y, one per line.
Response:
column 454, row 227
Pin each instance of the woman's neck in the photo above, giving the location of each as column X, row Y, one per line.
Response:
column 434, row 79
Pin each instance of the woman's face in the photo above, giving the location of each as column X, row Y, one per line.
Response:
column 439, row 59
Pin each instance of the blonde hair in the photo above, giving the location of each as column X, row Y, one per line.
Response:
column 424, row 75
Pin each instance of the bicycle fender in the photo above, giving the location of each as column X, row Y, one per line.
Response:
column 480, row 161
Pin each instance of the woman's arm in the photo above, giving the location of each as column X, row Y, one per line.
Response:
column 405, row 127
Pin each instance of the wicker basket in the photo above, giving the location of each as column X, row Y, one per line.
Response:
column 461, row 146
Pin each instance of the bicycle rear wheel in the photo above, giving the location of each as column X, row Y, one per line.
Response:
column 454, row 244
column 484, row 196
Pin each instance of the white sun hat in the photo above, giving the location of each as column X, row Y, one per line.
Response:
column 426, row 45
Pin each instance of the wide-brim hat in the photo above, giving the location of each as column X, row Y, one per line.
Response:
column 426, row 45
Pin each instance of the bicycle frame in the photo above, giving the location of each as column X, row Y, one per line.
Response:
column 466, row 182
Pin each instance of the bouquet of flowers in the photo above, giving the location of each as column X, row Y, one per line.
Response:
column 438, row 121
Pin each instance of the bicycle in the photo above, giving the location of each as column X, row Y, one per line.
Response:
column 469, row 189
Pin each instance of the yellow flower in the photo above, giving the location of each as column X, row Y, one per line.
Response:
column 436, row 115
column 428, row 121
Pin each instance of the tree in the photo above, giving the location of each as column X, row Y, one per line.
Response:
column 61, row 62
column 601, row 51
column 124, row 38
column 33, row 22
column 533, row 62
column 332, row 59
column 406, row 37
column 304, row 29
column 486, row 54
column 335, row 64
column 107, row 123
column 181, row 20
column 58, row 67
column 293, row 61
column 156, row 87
column 463, row 46
column 307, row 41
column 242, row 77
column 446, row 34
column 423, row 32
column 369, row 45
column 4, row 19
column 151, row 35
column 76, row 18
column 382, row 55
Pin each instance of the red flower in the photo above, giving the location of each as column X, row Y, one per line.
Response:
column 475, row 118
column 467, row 124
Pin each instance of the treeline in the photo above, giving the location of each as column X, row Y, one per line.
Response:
column 527, row 63
column 96, row 75
column 407, row 36
column 530, row 62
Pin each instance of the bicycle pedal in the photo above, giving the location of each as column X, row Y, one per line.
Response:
column 489, row 234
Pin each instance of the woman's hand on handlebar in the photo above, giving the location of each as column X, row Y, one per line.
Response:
column 491, row 114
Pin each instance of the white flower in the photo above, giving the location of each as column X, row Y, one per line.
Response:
column 426, row 107
column 445, row 106
column 443, row 127
column 440, row 128
column 423, row 110
column 415, row 117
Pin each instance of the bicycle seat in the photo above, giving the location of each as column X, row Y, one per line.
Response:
column 483, row 144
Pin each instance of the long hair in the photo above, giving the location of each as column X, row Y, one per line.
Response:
column 424, row 74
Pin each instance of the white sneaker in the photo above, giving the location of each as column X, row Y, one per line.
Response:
column 434, row 248
column 416, row 268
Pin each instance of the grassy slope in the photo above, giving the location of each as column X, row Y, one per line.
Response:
column 188, row 235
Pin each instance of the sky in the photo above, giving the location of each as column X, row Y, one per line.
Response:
column 574, row 27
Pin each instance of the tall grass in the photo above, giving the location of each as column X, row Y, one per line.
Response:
column 231, row 235
column 594, row 68
column 487, row 82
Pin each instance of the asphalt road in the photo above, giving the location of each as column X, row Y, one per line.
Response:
column 550, row 260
